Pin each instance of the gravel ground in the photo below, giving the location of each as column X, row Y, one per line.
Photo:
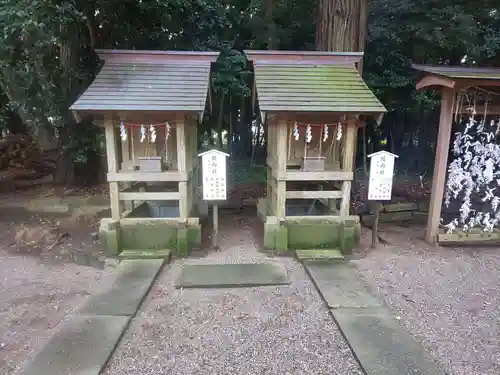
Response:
column 35, row 298
column 449, row 299
column 264, row 330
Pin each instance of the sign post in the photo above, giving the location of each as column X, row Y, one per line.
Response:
column 214, row 179
column 380, row 184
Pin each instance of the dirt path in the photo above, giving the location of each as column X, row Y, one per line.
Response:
column 262, row 330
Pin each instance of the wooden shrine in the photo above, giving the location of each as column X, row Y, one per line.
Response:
column 149, row 103
column 312, row 103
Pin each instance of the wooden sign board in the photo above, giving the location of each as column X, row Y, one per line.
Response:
column 381, row 175
column 214, row 185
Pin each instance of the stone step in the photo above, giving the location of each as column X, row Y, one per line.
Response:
column 326, row 255
column 145, row 254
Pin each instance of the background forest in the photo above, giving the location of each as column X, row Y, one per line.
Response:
column 47, row 59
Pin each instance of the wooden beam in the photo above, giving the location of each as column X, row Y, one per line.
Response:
column 432, row 80
column 318, row 176
column 317, row 194
column 147, row 176
column 493, row 109
column 348, row 166
column 145, row 196
column 281, row 157
column 467, row 83
column 180, row 131
column 111, row 156
column 440, row 165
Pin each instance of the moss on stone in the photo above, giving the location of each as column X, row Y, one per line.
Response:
column 194, row 235
column 270, row 236
column 281, row 238
column 348, row 239
column 314, row 235
column 149, row 235
column 182, row 242
column 109, row 236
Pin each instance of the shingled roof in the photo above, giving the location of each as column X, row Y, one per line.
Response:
column 149, row 81
column 311, row 82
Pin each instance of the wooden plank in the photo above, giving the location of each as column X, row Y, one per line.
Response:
column 181, row 143
column 281, row 156
column 183, row 201
column 469, row 238
column 318, row 176
column 144, row 196
column 320, row 194
column 348, row 166
column 440, row 165
column 112, row 168
column 280, row 199
column 147, row 176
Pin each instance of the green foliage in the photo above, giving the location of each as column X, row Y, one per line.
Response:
column 47, row 57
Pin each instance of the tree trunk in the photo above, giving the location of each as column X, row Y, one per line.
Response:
column 341, row 25
column 271, row 26
column 220, row 120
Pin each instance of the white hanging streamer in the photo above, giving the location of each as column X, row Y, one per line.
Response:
column 339, row 131
column 296, row 131
column 325, row 132
column 123, row 131
column 143, row 133
column 152, row 133
column 308, row 134
column 167, row 130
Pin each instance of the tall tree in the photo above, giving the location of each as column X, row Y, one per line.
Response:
column 341, row 25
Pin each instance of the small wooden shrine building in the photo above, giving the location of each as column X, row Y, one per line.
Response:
column 149, row 103
column 452, row 82
column 312, row 104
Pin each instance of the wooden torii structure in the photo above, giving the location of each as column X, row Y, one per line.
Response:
column 450, row 81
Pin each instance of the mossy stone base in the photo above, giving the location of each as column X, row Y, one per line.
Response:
column 109, row 236
column 275, row 235
column 312, row 233
column 140, row 234
column 148, row 234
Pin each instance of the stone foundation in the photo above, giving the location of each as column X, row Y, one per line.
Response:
column 139, row 233
column 313, row 232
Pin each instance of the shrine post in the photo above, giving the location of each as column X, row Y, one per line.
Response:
column 214, row 184
column 380, row 184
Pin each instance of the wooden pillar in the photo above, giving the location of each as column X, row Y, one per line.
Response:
column 281, row 157
column 112, row 167
column 347, row 166
column 440, row 165
column 180, row 132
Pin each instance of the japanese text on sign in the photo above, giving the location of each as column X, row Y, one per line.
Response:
column 381, row 172
column 214, row 176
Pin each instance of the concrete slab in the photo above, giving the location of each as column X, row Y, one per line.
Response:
column 81, row 347
column 381, row 346
column 319, row 254
column 340, row 285
column 232, row 275
column 145, row 254
column 134, row 280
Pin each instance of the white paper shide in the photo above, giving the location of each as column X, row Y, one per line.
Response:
column 381, row 175
column 213, row 164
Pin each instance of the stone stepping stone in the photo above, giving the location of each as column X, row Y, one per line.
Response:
column 381, row 346
column 83, row 345
column 145, row 254
column 135, row 278
column 319, row 255
column 232, row 275
column 340, row 285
